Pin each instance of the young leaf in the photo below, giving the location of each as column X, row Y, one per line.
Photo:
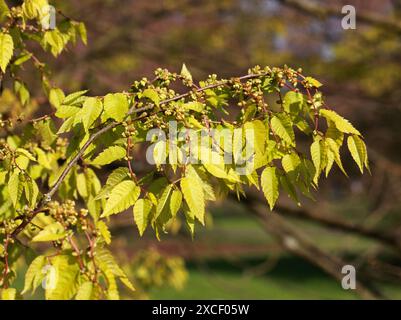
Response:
column 31, row 192
column 116, row 106
column 85, row 291
column 142, row 209
column 293, row 102
column 358, row 151
column 109, row 155
column 4, row 10
column 56, row 97
column 334, row 149
column 282, row 127
column 175, row 202
column 121, row 197
column 185, row 72
column 74, row 98
column 269, row 182
column 313, row 82
column 194, row 197
column 111, row 270
column 15, row 188
column 63, row 284
column 162, row 203
column 91, row 110
column 160, row 152
column 194, row 106
column 82, row 32
column 117, row 176
column 66, row 111
column 8, row 294
column 342, row 124
column 152, row 95
column 317, row 152
column 290, row 162
column 34, row 274
column 51, row 232
column 104, row 231
column 6, row 50
column 259, row 132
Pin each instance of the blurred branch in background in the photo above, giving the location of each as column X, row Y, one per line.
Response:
column 323, row 11
column 297, row 243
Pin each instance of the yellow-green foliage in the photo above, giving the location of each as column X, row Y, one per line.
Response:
column 49, row 186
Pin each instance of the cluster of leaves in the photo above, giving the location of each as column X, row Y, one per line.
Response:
column 50, row 190
column 22, row 27
column 150, row 269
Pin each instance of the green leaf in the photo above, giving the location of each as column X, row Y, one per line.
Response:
column 85, row 291
column 317, row 152
column 358, row 151
column 26, row 153
column 9, row 294
column 194, row 106
column 15, row 188
column 34, row 275
column 175, row 202
column 91, row 110
column 117, row 176
column 6, row 50
column 116, row 106
column 290, row 162
column 342, row 124
column 51, row 232
column 162, row 203
column 109, row 155
column 293, row 102
column 82, row 185
column 22, row 58
column 194, row 197
column 104, row 231
column 190, row 221
column 282, row 127
column 110, row 268
column 259, row 131
column 54, row 39
column 66, row 111
column 142, row 209
column 33, row 8
column 185, row 72
column 121, row 197
column 82, row 32
column 62, row 281
column 270, row 183
column 334, row 134
column 334, row 150
column 43, row 159
column 289, row 187
column 152, row 95
column 313, row 82
column 31, row 192
column 216, row 170
column 160, row 152
column 74, row 97
column 3, row 10
column 22, row 91
column 56, row 97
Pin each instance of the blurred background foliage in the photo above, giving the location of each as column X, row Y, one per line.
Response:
column 355, row 220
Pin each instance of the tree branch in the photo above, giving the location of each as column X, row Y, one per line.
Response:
column 48, row 196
